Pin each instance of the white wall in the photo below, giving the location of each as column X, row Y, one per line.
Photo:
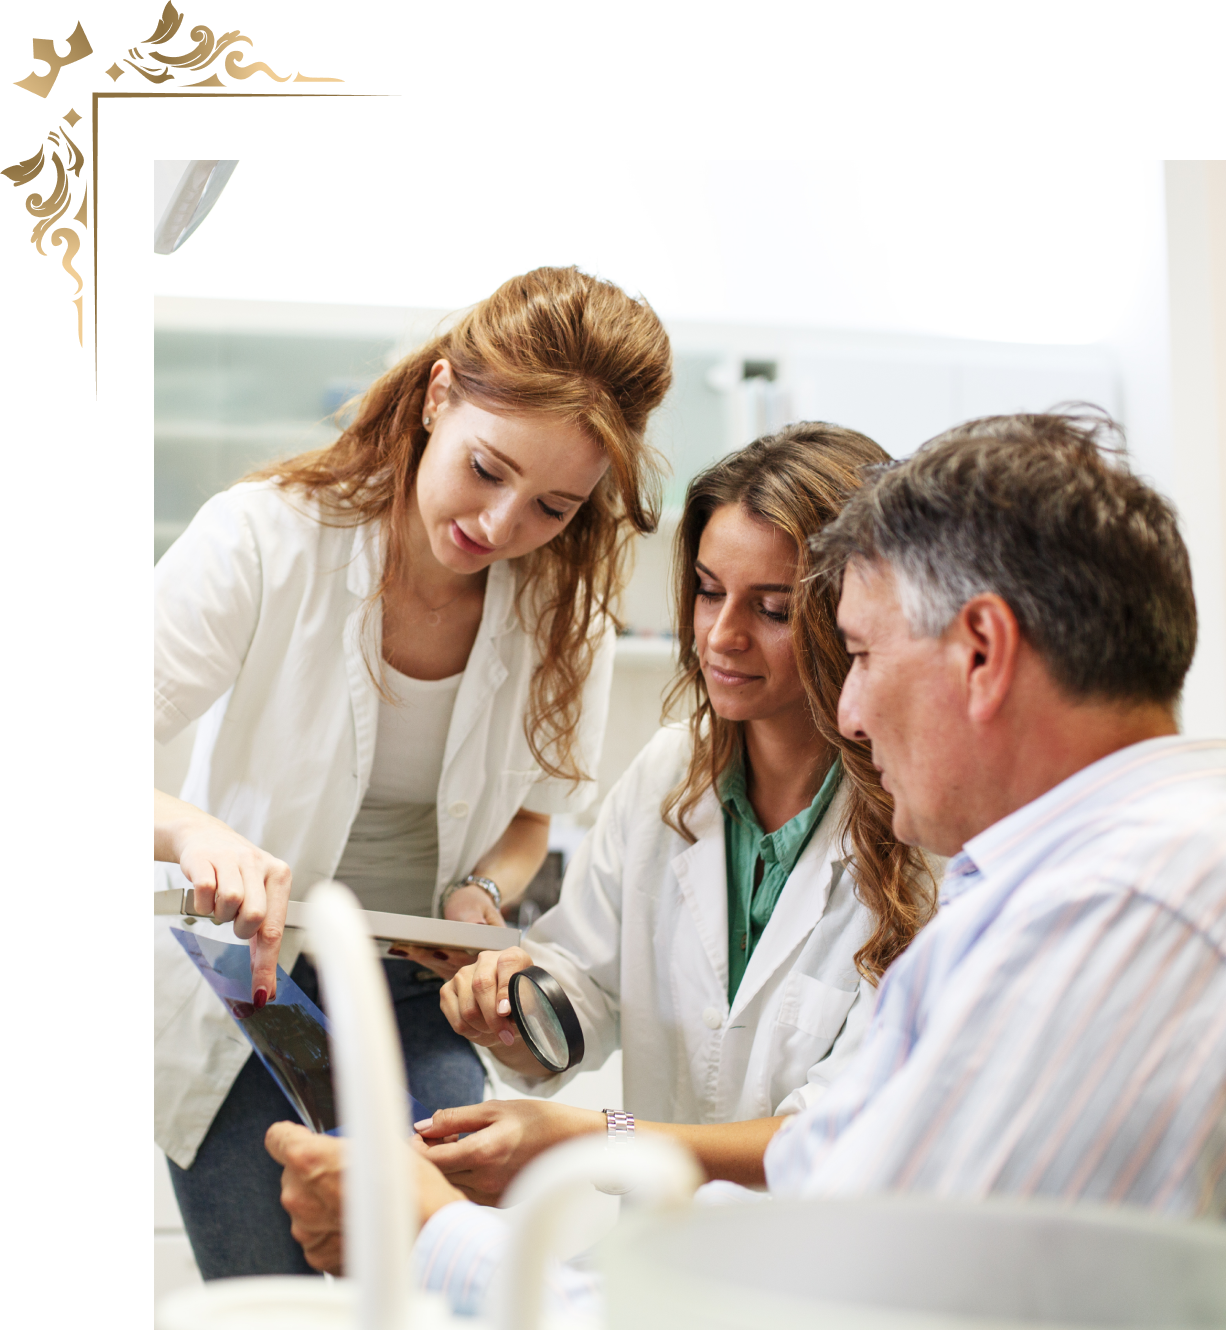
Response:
column 1196, row 239
column 174, row 1266
column 1040, row 250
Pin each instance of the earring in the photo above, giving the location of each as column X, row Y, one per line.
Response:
column 427, row 421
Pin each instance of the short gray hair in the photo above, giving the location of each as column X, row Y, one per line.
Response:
column 1042, row 511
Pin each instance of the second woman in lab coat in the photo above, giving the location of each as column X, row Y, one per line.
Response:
column 727, row 919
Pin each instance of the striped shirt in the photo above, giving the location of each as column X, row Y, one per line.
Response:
column 1058, row 1029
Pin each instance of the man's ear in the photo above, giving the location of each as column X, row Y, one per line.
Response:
column 988, row 631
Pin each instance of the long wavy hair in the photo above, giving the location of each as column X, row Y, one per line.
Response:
column 798, row 480
column 554, row 342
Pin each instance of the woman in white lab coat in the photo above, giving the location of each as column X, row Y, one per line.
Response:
column 400, row 650
column 726, row 920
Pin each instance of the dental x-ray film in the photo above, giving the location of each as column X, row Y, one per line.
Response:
column 289, row 1033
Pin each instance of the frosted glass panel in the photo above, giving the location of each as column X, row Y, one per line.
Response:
column 226, row 402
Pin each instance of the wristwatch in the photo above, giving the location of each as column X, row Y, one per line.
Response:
column 619, row 1125
column 620, row 1129
column 488, row 885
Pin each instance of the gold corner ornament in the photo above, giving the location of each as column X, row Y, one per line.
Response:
column 52, row 201
column 78, row 48
column 58, row 157
column 161, row 68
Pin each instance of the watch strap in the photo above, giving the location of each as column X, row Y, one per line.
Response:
column 487, row 884
column 619, row 1125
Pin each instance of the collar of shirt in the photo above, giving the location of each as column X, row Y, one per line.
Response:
column 785, row 845
column 961, row 873
column 1027, row 835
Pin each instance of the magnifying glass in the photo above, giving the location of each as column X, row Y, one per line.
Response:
column 546, row 1019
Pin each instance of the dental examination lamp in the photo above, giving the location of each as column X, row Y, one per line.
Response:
column 190, row 202
column 539, row 1005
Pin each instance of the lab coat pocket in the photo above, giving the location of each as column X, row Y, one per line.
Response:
column 815, row 1008
column 810, row 1016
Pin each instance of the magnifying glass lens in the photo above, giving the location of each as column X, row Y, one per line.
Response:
column 546, row 1019
column 540, row 1023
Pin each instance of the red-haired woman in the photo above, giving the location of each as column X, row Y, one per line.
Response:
column 399, row 649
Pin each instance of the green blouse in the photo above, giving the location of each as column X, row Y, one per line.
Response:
column 759, row 864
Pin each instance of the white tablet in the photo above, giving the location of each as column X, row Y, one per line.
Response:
column 393, row 932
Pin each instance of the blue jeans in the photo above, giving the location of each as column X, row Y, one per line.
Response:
column 230, row 1198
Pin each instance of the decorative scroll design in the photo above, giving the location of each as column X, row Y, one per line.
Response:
column 78, row 48
column 160, row 67
column 55, row 167
column 51, row 202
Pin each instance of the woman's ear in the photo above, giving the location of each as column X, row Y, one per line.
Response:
column 438, row 393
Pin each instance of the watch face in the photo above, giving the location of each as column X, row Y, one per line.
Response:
column 489, row 887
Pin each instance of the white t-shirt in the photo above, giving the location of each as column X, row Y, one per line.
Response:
column 391, row 858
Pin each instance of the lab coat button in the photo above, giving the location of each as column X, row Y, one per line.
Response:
column 458, row 809
column 712, row 1019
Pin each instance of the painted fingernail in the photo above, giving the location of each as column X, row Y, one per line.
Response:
column 504, row 1008
column 423, row 1124
column 507, row 1038
column 261, row 997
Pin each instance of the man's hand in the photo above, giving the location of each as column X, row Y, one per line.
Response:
column 312, row 1189
column 506, row 1135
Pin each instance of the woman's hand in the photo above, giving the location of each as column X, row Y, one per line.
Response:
column 505, row 1135
column 477, row 1001
column 473, row 905
column 312, row 1189
column 512, row 862
column 477, row 1005
column 236, row 880
column 467, row 905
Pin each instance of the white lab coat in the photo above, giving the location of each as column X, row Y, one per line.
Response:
column 263, row 628
column 639, row 940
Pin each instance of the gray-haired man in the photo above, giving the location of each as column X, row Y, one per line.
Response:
column 1019, row 612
